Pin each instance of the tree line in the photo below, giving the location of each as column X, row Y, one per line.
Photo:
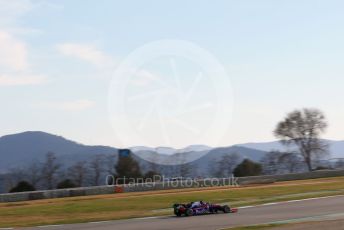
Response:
column 299, row 132
column 51, row 174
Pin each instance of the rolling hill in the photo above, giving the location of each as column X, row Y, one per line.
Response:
column 19, row 150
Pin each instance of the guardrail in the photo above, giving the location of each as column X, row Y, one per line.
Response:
column 98, row 190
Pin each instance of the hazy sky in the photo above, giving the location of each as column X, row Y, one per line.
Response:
column 58, row 60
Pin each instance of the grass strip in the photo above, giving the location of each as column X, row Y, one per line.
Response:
column 131, row 205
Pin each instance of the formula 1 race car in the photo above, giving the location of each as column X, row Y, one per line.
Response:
column 191, row 209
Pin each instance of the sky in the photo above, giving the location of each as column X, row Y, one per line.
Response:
column 169, row 73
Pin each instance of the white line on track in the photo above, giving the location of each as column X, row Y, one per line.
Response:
column 99, row 222
column 48, row 226
column 146, row 218
column 243, row 207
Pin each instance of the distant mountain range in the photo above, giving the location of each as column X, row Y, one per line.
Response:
column 170, row 151
column 21, row 149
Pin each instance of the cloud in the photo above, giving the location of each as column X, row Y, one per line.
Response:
column 76, row 105
column 11, row 10
column 87, row 53
column 15, row 69
column 7, row 80
column 13, row 52
column 14, row 65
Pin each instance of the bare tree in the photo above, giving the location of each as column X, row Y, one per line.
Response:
column 151, row 166
column 276, row 162
column 110, row 164
column 154, row 163
column 184, row 170
column 33, row 173
column 270, row 163
column 78, row 173
column 226, row 164
column 97, row 168
column 339, row 164
column 289, row 162
column 302, row 128
column 50, row 169
column 154, row 167
column 184, row 167
column 14, row 176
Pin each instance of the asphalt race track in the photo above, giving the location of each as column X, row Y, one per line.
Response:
column 246, row 216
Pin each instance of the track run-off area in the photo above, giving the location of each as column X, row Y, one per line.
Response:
column 289, row 211
column 152, row 210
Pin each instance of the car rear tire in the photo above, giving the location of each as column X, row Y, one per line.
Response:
column 226, row 209
column 188, row 212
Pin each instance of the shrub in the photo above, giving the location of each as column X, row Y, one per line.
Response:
column 247, row 168
column 23, row 186
column 66, row 184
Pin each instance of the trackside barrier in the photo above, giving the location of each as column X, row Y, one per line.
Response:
column 119, row 189
column 98, row 190
column 58, row 193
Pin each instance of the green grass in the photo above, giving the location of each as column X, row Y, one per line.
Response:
column 130, row 205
